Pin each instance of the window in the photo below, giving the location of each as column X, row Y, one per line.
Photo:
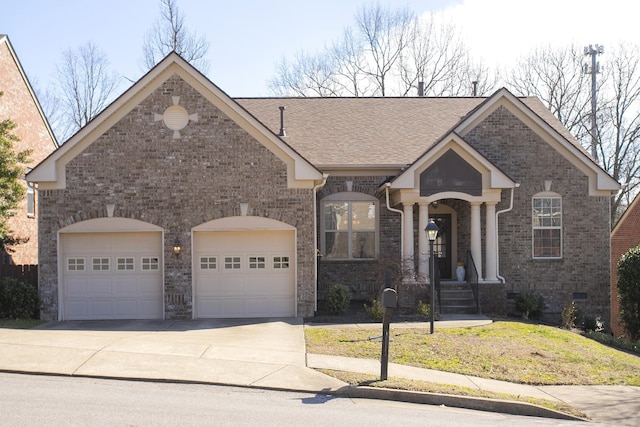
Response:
column 280, row 262
column 75, row 264
column 257, row 262
column 349, row 226
column 31, row 200
column 547, row 226
column 124, row 264
column 150, row 264
column 100, row 264
column 208, row 263
column 232, row 263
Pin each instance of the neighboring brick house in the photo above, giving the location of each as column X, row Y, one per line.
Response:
column 20, row 105
column 624, row 236
column 178, row 201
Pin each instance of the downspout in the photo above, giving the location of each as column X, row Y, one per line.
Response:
column 502, row 279
column 388, row 184
column 315, row 237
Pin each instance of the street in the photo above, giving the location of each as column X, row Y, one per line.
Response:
column 32, row 400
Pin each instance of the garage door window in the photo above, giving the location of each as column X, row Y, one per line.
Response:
column 100, row 264
column 232, row 263
column 280, row 262
column 208, row 263
column 150, row 264
column 75, row 264
column 257, row 262
column 125, row 264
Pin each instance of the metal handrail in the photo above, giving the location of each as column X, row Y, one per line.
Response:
column 472, row 279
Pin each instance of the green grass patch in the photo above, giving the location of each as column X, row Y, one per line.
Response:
column 510, row 351
column 20, row 323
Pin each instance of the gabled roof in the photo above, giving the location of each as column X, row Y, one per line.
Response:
column 50, row 173
column 4, row 40
column 372, row 132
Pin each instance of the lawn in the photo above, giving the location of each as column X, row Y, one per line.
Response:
column 504, row 350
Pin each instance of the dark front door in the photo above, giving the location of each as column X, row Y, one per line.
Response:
column 442, row 245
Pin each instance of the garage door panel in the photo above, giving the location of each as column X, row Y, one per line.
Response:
column 247, row 289
column 112, row 293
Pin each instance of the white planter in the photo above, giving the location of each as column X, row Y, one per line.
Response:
column 460, row 273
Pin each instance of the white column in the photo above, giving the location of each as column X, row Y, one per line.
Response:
column 423, row 245
column 491, row 267
column 476, row 238
column 407, row 250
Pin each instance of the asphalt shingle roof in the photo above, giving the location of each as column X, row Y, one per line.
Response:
column 369, row 131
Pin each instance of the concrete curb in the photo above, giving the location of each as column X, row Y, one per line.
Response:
column 454, row 401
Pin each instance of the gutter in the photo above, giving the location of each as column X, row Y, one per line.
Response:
column 387, row 185
column 502, row 279
column 315, row 237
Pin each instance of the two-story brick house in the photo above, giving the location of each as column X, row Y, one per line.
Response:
column 178, row 201
column 20, row 105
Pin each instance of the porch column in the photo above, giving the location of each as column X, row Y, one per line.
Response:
column 423, row 247
column 407, row 250
column 476, row 238
column 490, row 242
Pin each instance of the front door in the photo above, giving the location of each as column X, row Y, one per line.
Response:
column 442, row 245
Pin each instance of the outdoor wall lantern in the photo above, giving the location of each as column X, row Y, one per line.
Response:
column 177, row 247
column 431, row 231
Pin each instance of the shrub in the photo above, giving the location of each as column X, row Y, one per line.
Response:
column 595, row 324
column 375, row 310
column 569, row 315
column 629, row 291
column 423, row 309
column 18, row 300
column 529, row 305
column 338, row 299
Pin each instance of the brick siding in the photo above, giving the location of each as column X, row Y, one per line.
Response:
column 176, row 184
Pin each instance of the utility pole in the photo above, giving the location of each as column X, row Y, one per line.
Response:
column 594, row 69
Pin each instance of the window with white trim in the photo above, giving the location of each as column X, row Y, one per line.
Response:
column 257, row 262
column 100, row 264
column 547, row 225
column 150, row 264
column 280, row 262
column 349, row 226
column 208, row 263
column 125, row 263
column 232, row 263
column 75, row 264
column 31, row 200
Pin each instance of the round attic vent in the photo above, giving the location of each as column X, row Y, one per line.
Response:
column 175, row 117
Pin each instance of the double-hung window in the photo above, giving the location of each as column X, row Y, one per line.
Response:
column 350, row 226
column 547, row 226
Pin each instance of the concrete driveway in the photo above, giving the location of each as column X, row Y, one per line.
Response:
column 259, row 353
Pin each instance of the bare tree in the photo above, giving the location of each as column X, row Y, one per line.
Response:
column 169, row 34
column 555, row 76
column 387, row 52
column 619, row 128
column 84, row 86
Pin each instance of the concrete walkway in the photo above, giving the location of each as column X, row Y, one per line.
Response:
column 268, row 353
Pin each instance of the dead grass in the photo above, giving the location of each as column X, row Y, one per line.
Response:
column 509, row 351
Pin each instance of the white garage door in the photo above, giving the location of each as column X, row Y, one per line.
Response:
column 244, row 273
column 112, row 275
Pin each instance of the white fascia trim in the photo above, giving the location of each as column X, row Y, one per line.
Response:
column 300, row 172
column 491, row 176
column 600, row 183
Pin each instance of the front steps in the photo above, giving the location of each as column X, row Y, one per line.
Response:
column 457, row 298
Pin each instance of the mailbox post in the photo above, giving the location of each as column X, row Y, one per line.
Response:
column 389, row 302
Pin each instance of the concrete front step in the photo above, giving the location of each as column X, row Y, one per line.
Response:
column 457, row 298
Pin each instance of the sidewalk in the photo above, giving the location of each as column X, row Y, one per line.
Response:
column 270, row 354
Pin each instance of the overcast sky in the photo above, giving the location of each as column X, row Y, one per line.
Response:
column 248, row 37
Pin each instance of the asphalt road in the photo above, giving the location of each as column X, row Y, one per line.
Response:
column 71, row 401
